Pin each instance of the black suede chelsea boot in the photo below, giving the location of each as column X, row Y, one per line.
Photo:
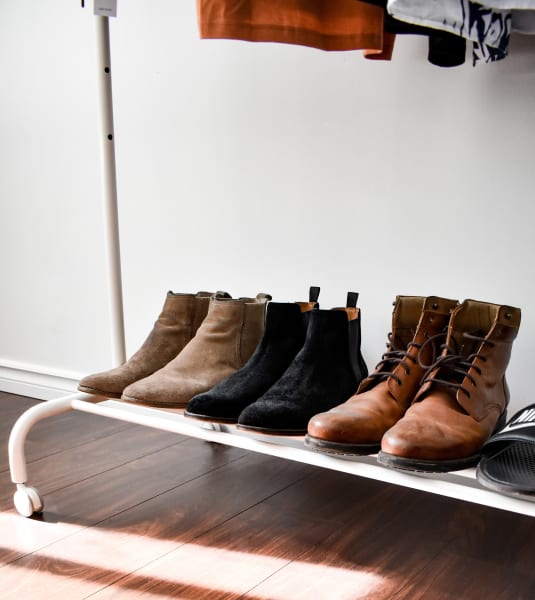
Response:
column 328, row 368
column 284, row 335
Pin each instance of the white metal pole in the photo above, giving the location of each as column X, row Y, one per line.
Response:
column 109, row 180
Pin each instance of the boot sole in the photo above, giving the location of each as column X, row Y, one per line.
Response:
column 272, row 431
column 339, row 448
column 210, row 419
column 427, row 466
column 94, row 392
column 131, row 400
column 435, row 466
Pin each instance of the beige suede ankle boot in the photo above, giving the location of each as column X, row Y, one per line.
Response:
column 224, row 342
column 178, row 322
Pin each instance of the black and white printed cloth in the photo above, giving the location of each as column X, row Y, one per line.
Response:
column 488, row 27
column 510, row 4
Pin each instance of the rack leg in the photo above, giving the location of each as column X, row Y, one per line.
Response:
column 27, row 499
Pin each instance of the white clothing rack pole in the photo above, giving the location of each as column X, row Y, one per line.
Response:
column 109, row 179
column 27, row 499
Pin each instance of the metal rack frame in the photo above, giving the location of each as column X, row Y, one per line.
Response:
column 461, row 485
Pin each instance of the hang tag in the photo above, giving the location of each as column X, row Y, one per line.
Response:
column 105, row 8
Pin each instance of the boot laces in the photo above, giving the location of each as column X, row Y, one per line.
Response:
column 453, row 364
column 391, row 359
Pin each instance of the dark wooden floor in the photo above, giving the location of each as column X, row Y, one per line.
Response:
column 133, row 512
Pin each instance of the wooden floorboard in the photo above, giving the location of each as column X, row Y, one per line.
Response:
column 142, row 528
column 67, row 467
column 54, row 434
column 132, row 512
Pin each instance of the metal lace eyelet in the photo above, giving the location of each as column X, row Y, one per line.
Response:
column 434, row 305
column 508, row 315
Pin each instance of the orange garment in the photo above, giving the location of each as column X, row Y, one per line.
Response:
column 386, row 52
column 323, row 24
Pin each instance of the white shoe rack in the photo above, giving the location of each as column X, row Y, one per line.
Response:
column 461, row 485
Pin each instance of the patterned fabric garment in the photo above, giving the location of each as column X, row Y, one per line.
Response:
column 522, row 12
column 510, row 4
column 489, row 29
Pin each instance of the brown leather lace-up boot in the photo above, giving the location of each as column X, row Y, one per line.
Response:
column 177, row 324
column 224, row 342
column 357, row 426
column 464, row 396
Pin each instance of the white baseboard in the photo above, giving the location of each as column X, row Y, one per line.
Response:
column 35, row 381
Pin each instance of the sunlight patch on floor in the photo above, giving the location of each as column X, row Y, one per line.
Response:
column 90, row 559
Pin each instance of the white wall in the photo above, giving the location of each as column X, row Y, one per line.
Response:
column 253, row 167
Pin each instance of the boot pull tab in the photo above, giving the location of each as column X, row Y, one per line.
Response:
column 220, row 294
column 352, row 298
column 313, row 293
column 263, row 297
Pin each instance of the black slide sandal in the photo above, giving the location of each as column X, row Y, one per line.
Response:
column 507, row 462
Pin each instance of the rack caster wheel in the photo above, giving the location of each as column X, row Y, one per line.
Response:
column 27, row 500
